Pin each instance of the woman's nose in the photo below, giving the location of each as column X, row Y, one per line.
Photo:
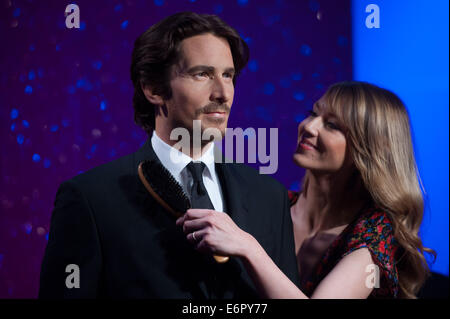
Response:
column 312, row 125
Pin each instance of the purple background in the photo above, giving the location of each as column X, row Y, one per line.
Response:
column 65, row 97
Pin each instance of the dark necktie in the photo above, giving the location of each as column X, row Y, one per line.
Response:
column 199, row 195
column 200, row 199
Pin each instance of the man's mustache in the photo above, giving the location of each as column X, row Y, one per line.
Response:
column 214, row 107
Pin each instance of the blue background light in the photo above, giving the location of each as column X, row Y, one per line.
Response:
column 409, row 54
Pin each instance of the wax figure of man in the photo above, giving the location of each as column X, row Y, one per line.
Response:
column 125, row 244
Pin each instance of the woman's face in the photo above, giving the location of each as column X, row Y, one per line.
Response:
column 321, row 144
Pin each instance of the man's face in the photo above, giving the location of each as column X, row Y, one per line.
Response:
column 202, row 84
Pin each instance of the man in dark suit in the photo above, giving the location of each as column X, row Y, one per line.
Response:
column 110, row 238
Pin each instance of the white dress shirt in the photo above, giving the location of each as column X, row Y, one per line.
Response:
column 182, row 175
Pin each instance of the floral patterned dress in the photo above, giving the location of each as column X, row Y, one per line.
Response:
column 372, row 229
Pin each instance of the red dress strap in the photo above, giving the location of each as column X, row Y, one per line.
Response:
column 293, row 197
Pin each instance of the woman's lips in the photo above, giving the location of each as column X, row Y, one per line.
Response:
column 306, row 145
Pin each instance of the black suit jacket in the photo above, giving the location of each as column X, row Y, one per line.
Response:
column 127, row 246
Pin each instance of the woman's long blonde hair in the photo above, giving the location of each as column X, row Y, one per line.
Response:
column 379, row 137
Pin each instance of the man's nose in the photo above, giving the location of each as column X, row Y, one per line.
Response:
column 221, row 91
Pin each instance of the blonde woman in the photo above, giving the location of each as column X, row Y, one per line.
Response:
column 357, row 216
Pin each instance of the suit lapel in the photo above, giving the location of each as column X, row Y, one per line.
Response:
column 235, row 192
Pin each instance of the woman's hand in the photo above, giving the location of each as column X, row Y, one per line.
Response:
column 215, row 232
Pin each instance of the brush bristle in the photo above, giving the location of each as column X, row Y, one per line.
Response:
column 165, row 185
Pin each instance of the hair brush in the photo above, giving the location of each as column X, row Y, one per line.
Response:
column 166, row 191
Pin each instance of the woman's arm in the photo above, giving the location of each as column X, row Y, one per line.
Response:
column 349, row 279
column 216, row 233
column 271, row 282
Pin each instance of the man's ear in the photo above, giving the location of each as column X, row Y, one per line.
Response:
column 152, row 98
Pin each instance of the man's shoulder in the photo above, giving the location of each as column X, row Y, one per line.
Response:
column 107, row 172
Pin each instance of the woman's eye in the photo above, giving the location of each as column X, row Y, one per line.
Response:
column 332, row 125
column 312, row 113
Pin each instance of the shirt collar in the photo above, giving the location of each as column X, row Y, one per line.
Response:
column 208, row 159
column 162, row 151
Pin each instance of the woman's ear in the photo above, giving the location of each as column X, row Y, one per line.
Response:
column 152, row 98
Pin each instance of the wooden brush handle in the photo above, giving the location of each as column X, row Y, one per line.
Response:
column 218, row 259
column 221, row 259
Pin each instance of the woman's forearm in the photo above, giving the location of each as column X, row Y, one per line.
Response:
column 218, row 234
column 268, row 278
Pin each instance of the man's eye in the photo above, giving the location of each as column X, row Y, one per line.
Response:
column 228, row 75
column 202, row 74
